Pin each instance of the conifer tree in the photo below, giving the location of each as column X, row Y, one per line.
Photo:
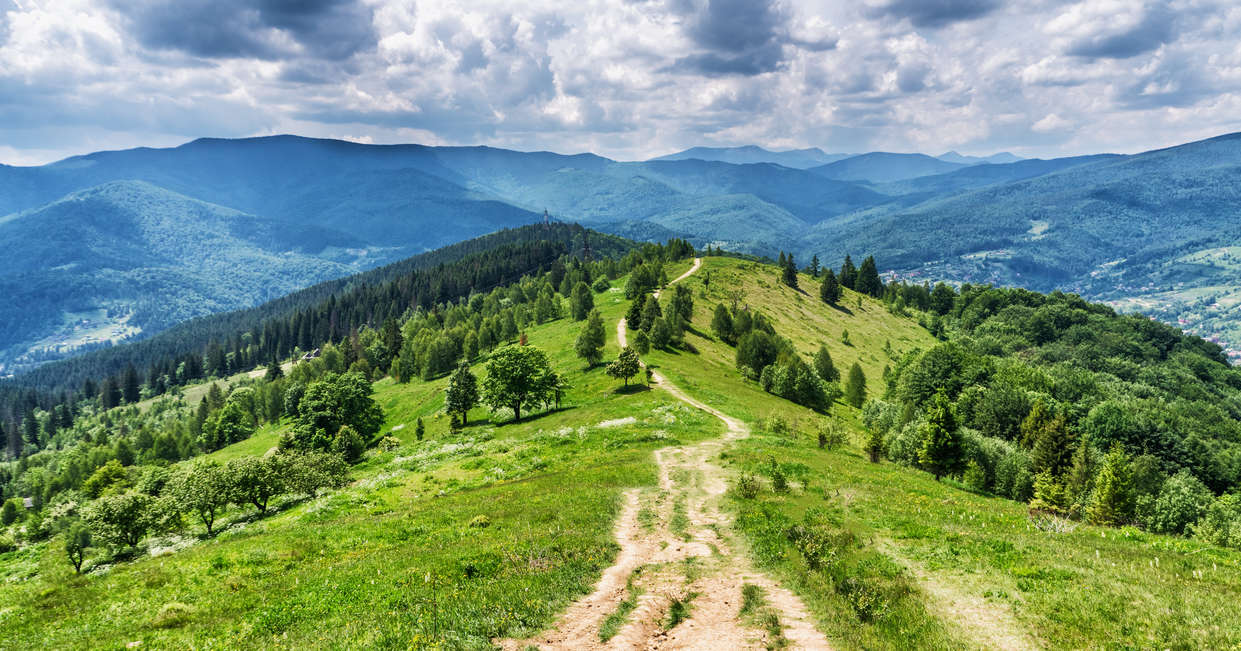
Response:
column 868, row 281
column 824, row 367
column 650, row 313
column 848, row 274
column 633, row 316
column 1052, row 447
column 661, row 334
column 642, row 343
column 829, row 291
column 940, row 450
column 855, row 386
column 814, row 266
column 589, row 344
column 1112, row 502
column 788, row 274
column 581, row 302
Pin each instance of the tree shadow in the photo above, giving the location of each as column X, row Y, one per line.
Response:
column 841, row 308
column 528, row 417
column 630, row 389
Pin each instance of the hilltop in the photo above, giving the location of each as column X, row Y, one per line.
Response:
column 703, row 507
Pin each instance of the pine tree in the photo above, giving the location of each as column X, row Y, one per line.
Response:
column 420, row 430
column 940, row 450
column 855, row 386
column 1052, row 447
column 589, row 344
column 848, row 274
column 1112, row 503
column 1081, row 472
column 462, row 392
column 814, row 266
column 829, row 291
column 633, row 316
column 641, row 343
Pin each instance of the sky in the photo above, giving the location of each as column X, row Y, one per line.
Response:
column 628, row 79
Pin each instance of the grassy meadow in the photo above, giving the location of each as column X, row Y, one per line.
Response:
column 461, row 538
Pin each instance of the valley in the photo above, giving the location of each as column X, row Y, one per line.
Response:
column 1042, row 224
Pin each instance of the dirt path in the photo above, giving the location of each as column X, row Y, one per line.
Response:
column 990, row 625
column 679, row 552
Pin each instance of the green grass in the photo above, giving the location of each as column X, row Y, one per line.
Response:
column 392, row 561
column 679, row 609
column 615, row 620
column 902, row 541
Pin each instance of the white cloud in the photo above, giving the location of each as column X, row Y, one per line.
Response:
column 630, row 79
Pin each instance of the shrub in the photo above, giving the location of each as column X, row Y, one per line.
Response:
column 480, row 522
column 1221, row 524
column 6, row 544
column 348, row 444
column 1181, row 503
column 747, row 487
column 974, row 476
column 389, row 443
column 831, row 436
column 172, row 615
column 1013, row 477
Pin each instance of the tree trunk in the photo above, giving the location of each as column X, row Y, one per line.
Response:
column 516, row 412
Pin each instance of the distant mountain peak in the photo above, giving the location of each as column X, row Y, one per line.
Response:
column 957, row 157
column 748, row 154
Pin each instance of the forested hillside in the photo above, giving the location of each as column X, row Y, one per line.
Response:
column 856, row 461
column 1149, row 232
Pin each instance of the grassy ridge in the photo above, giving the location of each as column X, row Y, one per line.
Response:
column 461, row 538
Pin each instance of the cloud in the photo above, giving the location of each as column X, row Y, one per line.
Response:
column 744, row 37
column 934, row 13
column 267, row 29
column 625, row 79
column 1114, row 30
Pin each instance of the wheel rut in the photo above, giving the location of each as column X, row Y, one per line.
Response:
column 686, row 558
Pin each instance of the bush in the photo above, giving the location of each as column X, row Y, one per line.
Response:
column 389, row 443
column 975, row 477
column 1221, row 524
column 6, row 544
column 348, row 444
column 1013, row 477
column 172, row 615
column 1181, row 503
column 747, row 487
column 480, row 522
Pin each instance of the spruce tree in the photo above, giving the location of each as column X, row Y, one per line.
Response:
column 814, row 266
column 855, row 386
column 633, row 316
column 848, row 274
column 829, row 291
column 788, row 274
column 940, row 450
column 1052, row 447
column 589, row 344
column 868, row 281
column 1112, row 502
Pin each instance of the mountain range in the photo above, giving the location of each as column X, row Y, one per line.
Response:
column 123, row 244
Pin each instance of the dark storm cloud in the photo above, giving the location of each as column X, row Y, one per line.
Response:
column 268, row 29
column 739, row 37
column 1156, row 28
column 935, row 13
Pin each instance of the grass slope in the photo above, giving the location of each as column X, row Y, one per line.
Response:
column 393, row 561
